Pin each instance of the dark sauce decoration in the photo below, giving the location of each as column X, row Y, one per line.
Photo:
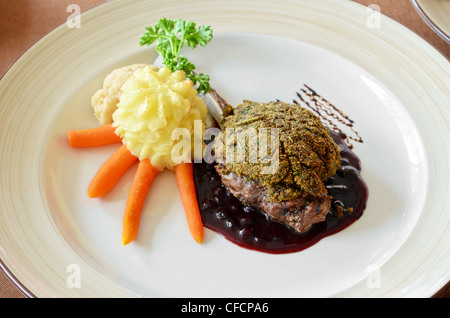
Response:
column 330, row 115
column 250, row 228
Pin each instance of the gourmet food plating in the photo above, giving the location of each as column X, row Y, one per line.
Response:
column 272, row 176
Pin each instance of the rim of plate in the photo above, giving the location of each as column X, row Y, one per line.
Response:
column 430, row 21
column 384, row 52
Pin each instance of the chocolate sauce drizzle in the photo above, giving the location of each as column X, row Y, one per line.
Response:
column 330, row 115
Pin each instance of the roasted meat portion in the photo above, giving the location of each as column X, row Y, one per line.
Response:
column 306, row 153
column 299, row 213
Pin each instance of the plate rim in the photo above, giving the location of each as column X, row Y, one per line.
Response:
column 3, row 266
column 429, row 21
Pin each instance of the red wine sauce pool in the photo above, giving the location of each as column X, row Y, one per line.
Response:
column 249, row 227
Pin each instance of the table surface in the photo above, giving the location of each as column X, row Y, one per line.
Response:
column 26, row 21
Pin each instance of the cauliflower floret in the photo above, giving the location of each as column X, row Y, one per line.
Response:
column 105, row 100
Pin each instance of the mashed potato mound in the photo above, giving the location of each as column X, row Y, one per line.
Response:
column 152, row 104
column 105, row 100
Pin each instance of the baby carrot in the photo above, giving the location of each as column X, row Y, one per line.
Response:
column 110, row 172
column 92, row 137
column 185, row 180
column 143, row 178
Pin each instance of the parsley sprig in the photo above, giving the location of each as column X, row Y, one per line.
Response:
column 171, row 36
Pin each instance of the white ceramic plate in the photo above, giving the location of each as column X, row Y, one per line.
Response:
column 436, row 14
column 392, row 83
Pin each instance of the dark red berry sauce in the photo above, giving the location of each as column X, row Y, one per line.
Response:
column 249, row 227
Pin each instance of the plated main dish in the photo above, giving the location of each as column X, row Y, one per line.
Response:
column 271, row 176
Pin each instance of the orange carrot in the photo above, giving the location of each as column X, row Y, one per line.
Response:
column 143, row 178
column 110, row 172
column 92, row 137
column 185, row 179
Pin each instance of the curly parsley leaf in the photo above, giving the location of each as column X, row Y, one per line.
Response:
column 170, row 37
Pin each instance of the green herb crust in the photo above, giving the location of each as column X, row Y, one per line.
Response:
column 307, row 153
